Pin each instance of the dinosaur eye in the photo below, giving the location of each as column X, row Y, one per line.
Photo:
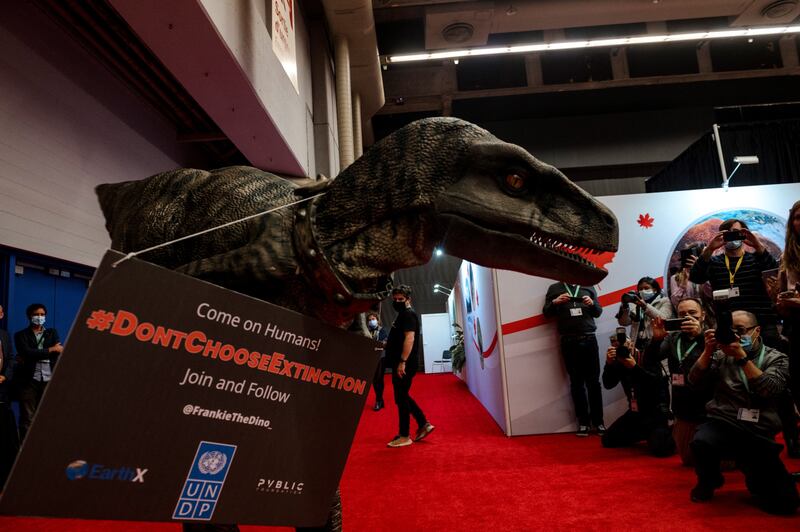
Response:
column 515, row 183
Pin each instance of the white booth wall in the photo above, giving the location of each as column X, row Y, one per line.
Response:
column 532, row 383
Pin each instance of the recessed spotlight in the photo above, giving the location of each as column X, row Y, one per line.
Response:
column 750, row 39
column 455, row 61
column 439, row 252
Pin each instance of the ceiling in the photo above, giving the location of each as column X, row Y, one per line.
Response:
column 719, row 73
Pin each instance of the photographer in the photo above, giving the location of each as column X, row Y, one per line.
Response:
column 575, row 308
column 739, row 272
column 648, row 399
column 649, row 304
column 680, row 287
column 681, row 349
column 747, row 377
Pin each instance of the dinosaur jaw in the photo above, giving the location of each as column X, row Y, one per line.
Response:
column 540, row 254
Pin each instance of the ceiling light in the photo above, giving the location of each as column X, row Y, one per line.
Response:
column 620, row 41
column 511, row 10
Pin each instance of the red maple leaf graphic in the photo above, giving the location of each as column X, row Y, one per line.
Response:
column 645, row 220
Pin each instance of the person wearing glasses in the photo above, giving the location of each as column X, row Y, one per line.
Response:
column 747, row 378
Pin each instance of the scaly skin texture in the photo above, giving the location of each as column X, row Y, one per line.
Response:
column 439, row 181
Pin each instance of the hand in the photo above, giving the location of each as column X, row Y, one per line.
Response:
column 2, row 379
column 714, row 244
column 588, row 301
column 752, row 240
column 659, row 332
column 641, row 303
column 401, row 369
column 710, row 341
column 611, row 355
column 733, row 350
column 560, row 300
column 785, row 304
column 690, row 262
column 628, row 362
column 56, row 348
column 691, row 326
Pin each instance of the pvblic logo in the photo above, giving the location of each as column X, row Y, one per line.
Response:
column 80, row 469
column 271, row 485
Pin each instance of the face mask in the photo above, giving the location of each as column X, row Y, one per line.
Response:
column 399, row 306
column 646, row 294
column 37, row 320
column 373, row 324
column 734, row 244
column 746, row 341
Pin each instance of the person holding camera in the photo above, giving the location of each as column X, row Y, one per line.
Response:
column 575, row 308
column 681, row 348
column 647, row 391
column 650, row 305
column 747, row 378
column 680, row 287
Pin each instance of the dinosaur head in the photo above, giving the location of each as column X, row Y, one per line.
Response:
column 446, row 182
column 508, row 210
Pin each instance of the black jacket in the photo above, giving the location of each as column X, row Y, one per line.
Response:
column 6, row 366
column 28, row 353
column 645, row 381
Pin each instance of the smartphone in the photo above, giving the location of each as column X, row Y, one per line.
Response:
column 729, row 236
column 576, row 299
column 686, row 254
column 622, row 349
column 724, row 331
column 673, row 325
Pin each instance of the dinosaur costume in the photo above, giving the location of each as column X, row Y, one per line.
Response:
column 437, row 181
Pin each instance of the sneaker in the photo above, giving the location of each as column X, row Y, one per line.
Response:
column 703, row 492
column 583, row 431
column 378, row 405
column 601, row 429
column 423, row 432
column 400, row 441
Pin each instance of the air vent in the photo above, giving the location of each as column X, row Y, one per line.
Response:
column 779, row 9
column 458, row 32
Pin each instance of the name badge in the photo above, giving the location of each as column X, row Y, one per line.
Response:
column 750, row 415
column 733, row 292
column 576, row 312
column 678, row 379
column 634, row 405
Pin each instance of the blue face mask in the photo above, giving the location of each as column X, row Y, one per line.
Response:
column 733, row 244
column 37, row 320
column 746, row 341
column 373, row 324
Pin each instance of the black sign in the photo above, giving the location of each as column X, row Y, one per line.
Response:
column 178, row 399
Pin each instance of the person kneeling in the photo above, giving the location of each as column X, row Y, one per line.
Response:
column 747, row 377
column 648, row 400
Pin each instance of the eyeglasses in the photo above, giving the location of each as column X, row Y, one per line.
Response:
column 741, row 331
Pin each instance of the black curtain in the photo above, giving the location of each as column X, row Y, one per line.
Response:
column 777, row 145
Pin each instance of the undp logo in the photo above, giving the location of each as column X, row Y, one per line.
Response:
column 77, row 469
column 212, row 462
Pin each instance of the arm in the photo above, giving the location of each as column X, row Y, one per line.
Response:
column 662, row 308
column 408, row 344
column 28, row 350
column 595, row 309
column 555, row 296
column 612, row 370
column 701, row 374
column 699, row 272
column 768, row 383
column 624, row 315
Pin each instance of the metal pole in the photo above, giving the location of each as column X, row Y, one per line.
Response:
column 715, row 127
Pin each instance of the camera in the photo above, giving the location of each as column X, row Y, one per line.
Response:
column 576, row 299
column 629, row 297
column 673, row 325
column 687, row 253
column 730, row 236
column 622, row 350
column 724, row 331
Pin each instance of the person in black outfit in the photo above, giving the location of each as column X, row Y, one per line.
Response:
column 647, row 390
column 9, row 437
column 38, row 349
column 402, row 347
column 681, row 350
column 378, row 334
column 575, row 308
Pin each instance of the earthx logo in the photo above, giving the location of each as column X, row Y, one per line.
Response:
column 271, row 485
column 80, row 469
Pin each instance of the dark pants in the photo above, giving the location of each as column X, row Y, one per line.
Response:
column 30, row 395
column 9, row 441
column 377, row 380
column 633, row 427
column 405, row 404
column 757, row 457
column 581, row 358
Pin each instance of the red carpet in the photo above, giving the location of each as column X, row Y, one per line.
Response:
column 468, row 476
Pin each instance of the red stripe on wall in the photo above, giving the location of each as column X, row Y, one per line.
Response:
column 606, row 300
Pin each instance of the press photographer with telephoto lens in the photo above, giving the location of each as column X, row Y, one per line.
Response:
column 639, row 309
column 747, row 378
column 647, row 391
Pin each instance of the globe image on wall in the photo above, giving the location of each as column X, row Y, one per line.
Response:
column 77, row 469
column 768, row 227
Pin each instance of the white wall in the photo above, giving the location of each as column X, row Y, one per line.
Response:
column 436, row 339
column 59, row 140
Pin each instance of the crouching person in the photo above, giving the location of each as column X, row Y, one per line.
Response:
column 747, row 378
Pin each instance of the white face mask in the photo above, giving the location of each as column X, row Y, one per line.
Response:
column 646, row 294
column 733, row 244
column 37, row 320
column 373, row 324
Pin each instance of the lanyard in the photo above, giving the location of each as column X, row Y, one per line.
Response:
column 680, row 353
column 40, row 340
column 577, row 289
column 731, row 275
column 758, row 365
